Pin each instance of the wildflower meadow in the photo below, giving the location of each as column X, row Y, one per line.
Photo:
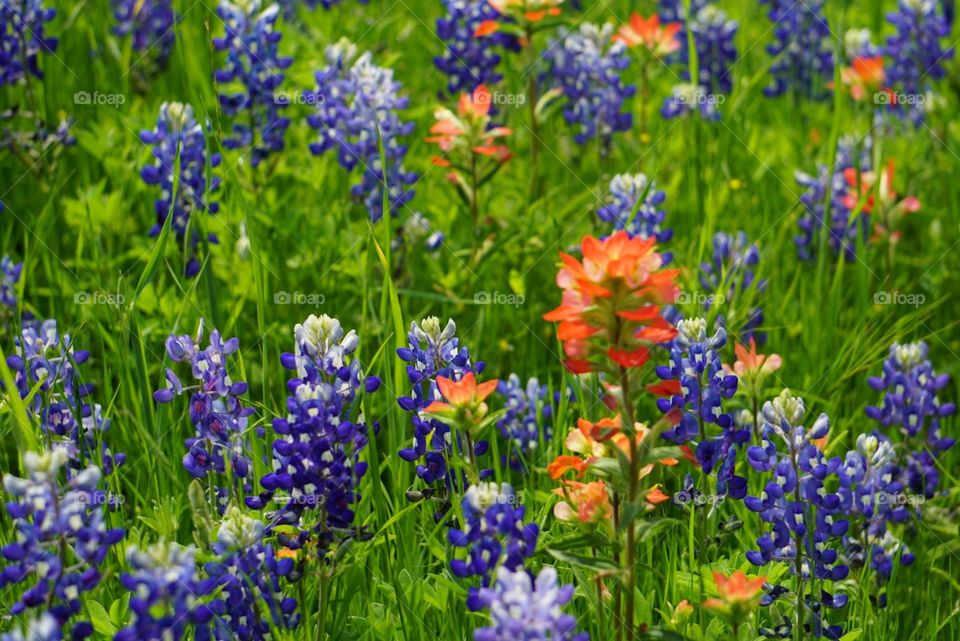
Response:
column 479, row 320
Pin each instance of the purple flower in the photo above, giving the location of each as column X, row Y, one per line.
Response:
column 588, row 66
column 178, row 138
column 493, row 534
column 247, row 579
column 916, row 51
column 805, row 504
column 470, row 60
column 46, row 361
column 216, row 410
column 695, row 365
column 22, row 39
column 713, row 35
column 525, row 608
column 164, row 590
column 316, row 455
column 43, row 628
column 357, row 108
column 9, row 277
column 432, row 352
column 843, row 233
column 730, row 276
column 150, row 23
column 635, row 207
column 878, row 499
column 61, row 539
column 527, row 418
column 802, row 52
column 911, row 406
column 252, row 75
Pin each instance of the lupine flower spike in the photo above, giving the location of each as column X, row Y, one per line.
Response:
column 358, row 106
column 178, row 141
column 525, row 608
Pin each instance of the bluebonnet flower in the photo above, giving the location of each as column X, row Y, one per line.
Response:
column 702, row 385
column 9, row 277
column 22, row 39
column 216, row 411
column 46, row 360
column 843, row 232
column 254, row 65
column 911, row 406
column 877, row 498
column 730, row 275
column 356, row 102
column 247, row 575
column 470, row 60
column 673, row 10
column 43, row 628
column 588, row 67
column 807, row 520
column 528, row 417
column 316, row 455
column 178, row 137
column 150, row 24
column 525, row 608
column 915, row 50
column 713, row 35
column 415, row 231
column 61, row 538
column 635, row 207
column 858, row 43
column 802, row 52
column 493, row 533
column 165, row 592
column 433, row 351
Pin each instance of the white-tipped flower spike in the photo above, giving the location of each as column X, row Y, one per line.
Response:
column 484, row 494
column 239, row 531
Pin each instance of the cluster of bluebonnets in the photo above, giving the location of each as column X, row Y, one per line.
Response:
column 820, row 515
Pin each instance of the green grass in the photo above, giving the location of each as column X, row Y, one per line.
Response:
column 78, row 218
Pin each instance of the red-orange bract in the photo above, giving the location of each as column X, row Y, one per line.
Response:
column 612, row 302
column 660, row 40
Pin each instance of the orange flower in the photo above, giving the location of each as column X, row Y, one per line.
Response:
column 612, row 302
column 465, row 398
column 739, row 594
column 469, row 129
column 596, row 440
column 655, row 497
column 529, row 10
column 588, row 502
column 878, row 198
column 863, row 76
column 750, row 363
column 643, row 32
